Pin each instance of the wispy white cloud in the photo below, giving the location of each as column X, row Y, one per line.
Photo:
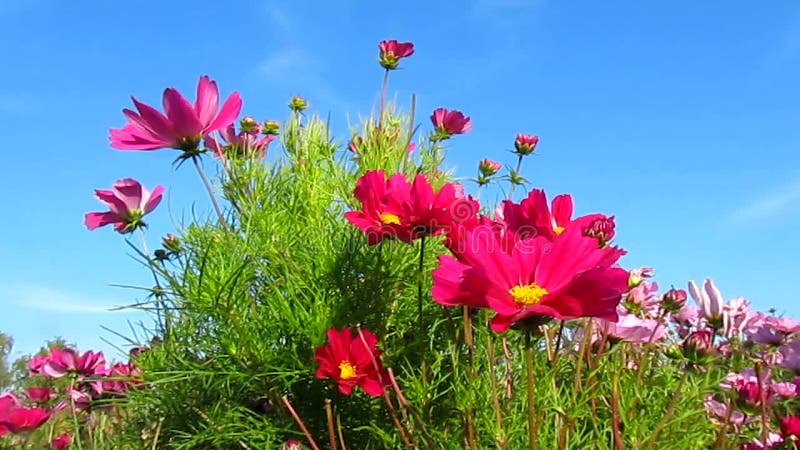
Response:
column 277, row 17
column 47, row 299
column 770, row 204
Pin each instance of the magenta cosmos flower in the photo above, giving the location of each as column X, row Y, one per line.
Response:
column 448, row 123
column 62, row 361
column 525, row 144
column 391, row 52
column 128, row 202
column 16, row 418
column 537, row 280
column 395, row 208
column 182, row 126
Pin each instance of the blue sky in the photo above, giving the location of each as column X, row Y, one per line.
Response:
column 680, row 118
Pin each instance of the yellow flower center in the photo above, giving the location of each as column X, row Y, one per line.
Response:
column 558, row 229
column 390, row 219
column 529, row 294
column 346, row 370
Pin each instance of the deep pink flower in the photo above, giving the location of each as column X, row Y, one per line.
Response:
column 63, row 361
column 350, row 362
column 16, row 418
column 293, row 444
column 525, row 144
column 39, row 394
column 36, row 363
column 183, row 126
column 391, row 52
column 397, row 209
column 533, row 217
column 567, row 278
column 61, row 441
column 121, row 377
column 448, row 123
column 128, row 202
column 674, row 300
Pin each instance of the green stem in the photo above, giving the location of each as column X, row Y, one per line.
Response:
column 75, row 423
column 420, row 280
column 210, row 190
column 383, row 97
column 532, row 431
column 159, row 303
column 516, row 173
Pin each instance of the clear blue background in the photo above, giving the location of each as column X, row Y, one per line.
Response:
column 681, row 118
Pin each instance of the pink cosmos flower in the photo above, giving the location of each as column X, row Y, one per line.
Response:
column 774, row 330
column 121, row 377
column 128, row 202
column 642, row 300
column 183, row 126
column 63, row 361
column 394, row 208
column 532, row 216
column 447, row 123
column 525, row 144
column 638, row 275
column 391, row 52
column 630, row 328
column 719, row 412
column 791, row 356
column 61, row 441
column 537, row 280
column 16, row 418
column 39, row 394
column 709, row 300
column 738, row 318
column 36, row 363
column 790, row 428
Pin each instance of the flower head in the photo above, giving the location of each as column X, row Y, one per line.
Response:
column 61, row 441
column 447, row 123
column 62, row 361
column 395, row 208
column 243, row 144
column 391, row 52
column 536, row 280
column 128, row 202
column 709, row 300
column 525, row 144
column 271, row 127
column 39, row 394
column 487, row 167
column 16, row 418
column 351, row 361
column 184, row 124
column 298, row 104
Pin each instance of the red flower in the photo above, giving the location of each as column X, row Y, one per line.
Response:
column 448, row 123
column 391, row 52
column 61, row 442
column 184, row 124
column 397, row 209
column 790, row 428
column 16, row 418
column 537, row 279
column 525, row 144
column 532, row 217
column 347, row 360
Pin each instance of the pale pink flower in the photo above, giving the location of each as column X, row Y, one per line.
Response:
column 791, row 356
column 709, row 299
column 128, row 202
column 630, row 328
column 774, row 330
column 184, row 124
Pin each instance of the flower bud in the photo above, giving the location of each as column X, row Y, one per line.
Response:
column 487, row 167
column 271, row 127
column 698, row 344
column 298, row 104
column 293, row 444
column 171, row 243
column 355, row 144
column 673, row 300
column 250, row 125
column 525, row 144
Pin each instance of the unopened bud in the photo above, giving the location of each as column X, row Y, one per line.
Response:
column 602, row 229
column 171, row 243
column 487, row 167
column 298, row 104
column 698, row 344
column 673, row 300
column 250, row 125
column 271, row 127
column 526, row 144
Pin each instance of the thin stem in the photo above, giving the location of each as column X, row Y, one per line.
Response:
column 383, row 97
column 163, row 321
column 210, row 190
column 532, row 431
column 498, row 410
column 420, row 282
column 763, row 400
column 299, row 421
column 75, row 423
column 516, row 173
column 339, row 431
column 331, row 428
column 616, row 426
column 558, row 340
